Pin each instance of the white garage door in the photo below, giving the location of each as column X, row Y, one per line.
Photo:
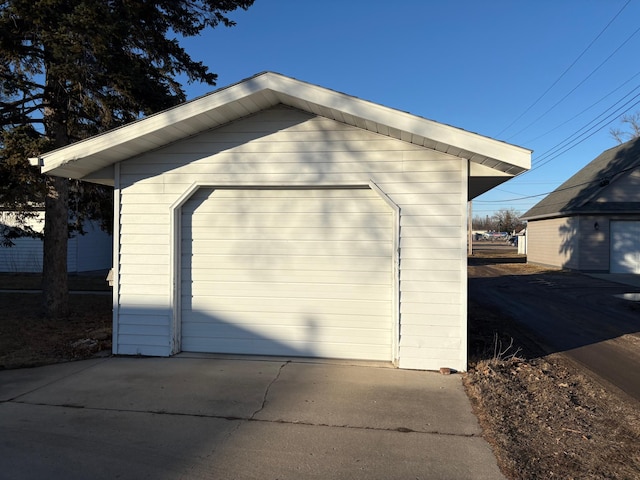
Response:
column 625, row 247
column 303, row 272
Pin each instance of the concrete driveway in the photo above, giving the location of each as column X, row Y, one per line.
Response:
column 203, row 417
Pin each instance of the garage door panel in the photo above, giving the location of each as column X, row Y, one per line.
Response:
column 258, row 345
column 285, row 334
column 229, row 304
column 347, row 233
column 351, row 263
column 286, row 248
column 300, row 206
column 288, row 272
column 245, row 319
column 261, row 346
column 308, row 277
column 292, row 220
column 295, row 194
column 290, row 291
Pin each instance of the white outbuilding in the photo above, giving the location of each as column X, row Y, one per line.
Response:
column 88, row 252
column 277, row 217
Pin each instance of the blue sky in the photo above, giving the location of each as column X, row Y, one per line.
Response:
column 532, row 73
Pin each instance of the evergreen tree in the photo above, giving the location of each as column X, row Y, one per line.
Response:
column 73, row 68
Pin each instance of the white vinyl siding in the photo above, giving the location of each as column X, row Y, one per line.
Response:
column 300, row 272
column 85, row 253
column 25, row 256
column 284, row 147
column 90, row 252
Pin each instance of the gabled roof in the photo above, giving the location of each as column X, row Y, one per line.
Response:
column 577, row 195
column 492, row 159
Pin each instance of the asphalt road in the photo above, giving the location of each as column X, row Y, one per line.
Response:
column 587, row 319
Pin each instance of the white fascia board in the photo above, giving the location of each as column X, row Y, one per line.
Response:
column 478, row 170
column 473, row 142
column 546, row 216
column 368, row 111
column 149, row 125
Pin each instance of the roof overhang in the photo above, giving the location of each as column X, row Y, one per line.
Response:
column 492, row 161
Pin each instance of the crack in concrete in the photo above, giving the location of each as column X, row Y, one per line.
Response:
column 239, row 423
column 57, row 379
column 251, row 418
column 266, row 392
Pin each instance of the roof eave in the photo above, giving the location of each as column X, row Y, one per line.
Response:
column 544, row 216
column 576, row 213
column 263, row 91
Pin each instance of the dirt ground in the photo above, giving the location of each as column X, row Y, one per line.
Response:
column 27, row 339
column 543, row 417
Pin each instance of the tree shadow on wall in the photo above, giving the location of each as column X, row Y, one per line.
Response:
column 610, row 186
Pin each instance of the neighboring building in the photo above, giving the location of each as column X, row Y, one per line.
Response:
column 90, row 252
column 591, row 223
column 276, row 217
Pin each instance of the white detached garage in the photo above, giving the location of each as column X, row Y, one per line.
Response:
column 276, row 217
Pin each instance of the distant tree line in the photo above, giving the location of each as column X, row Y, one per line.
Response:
column 504, row 220
column 508, row 220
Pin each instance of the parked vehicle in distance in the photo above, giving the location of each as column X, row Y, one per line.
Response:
column 496, row 236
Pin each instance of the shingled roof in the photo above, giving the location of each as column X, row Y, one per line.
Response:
column 577, row 195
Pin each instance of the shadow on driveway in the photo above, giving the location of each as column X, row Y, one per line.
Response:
column 211, row 417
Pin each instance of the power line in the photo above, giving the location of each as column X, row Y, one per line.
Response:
column 575, row 138
column 565, row 72
column 583, row 111
column 607, row 177
column 589, row 125
column 514, row 199
column 505, row 191
column 578, row 142
column 529, row 197
column 577, row 86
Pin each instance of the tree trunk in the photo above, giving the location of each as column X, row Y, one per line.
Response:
column 54, row 267
column 55, row 286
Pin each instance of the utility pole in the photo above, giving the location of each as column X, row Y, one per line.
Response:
column 470, row 227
